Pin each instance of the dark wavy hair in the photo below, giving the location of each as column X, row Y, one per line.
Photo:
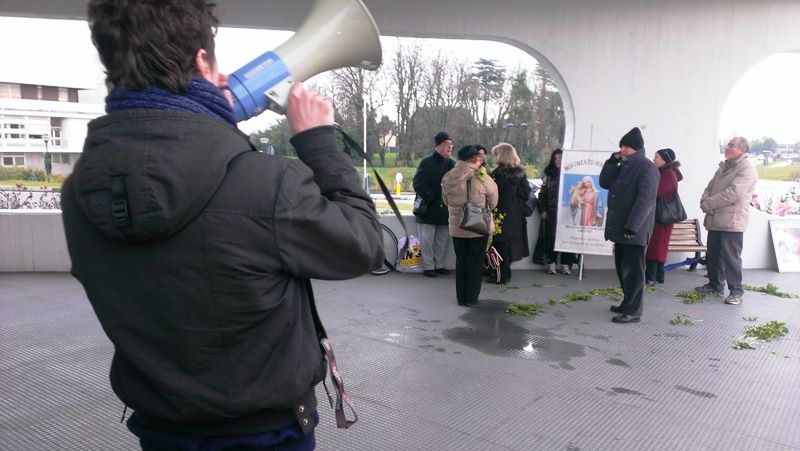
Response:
column 551, row 168
column 144, row 43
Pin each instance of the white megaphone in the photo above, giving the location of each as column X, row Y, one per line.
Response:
column 336, row 34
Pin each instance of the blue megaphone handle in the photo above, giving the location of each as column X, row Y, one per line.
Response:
column 251, row 83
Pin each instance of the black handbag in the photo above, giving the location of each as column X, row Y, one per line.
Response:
column 474, row 217
column 420, row 206
column 670, row 212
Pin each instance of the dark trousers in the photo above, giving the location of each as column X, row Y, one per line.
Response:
column 724, row 260
column 629, row 261
column 470, row 254
column 654, row 271
column 285, row 439
column 504, row 249
column 564, row 258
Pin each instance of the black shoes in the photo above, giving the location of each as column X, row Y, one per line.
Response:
column 625, row 318
column 616, row 308
column 443, row 271
column 430, row 273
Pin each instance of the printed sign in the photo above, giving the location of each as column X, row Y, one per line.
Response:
column 786, row 242
column 583, row 205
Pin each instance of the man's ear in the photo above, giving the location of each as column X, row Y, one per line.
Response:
column 204, row 66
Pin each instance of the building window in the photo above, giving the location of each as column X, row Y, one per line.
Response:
column 10, row 91
column 61, row 158
column 13, row 159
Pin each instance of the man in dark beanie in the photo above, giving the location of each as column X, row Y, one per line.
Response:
column 431, row 213
column 632, row 181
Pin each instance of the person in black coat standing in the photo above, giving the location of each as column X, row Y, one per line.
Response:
column 512, row 184
column 632, row 182
column 432, row 222
column 548, row 206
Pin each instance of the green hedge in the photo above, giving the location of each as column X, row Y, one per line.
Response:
column 22, row 174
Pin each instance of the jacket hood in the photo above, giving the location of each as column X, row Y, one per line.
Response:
column 510, row 171
column 145, row 174
column 674, row 167
column 457, row 176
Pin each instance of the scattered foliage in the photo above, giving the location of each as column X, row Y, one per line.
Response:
column 523, row 309
column 766, row 332
column 691, row 297
column 577, row 296
column 770, row 289
column 615, row 292
column 763, row 332
column 680, row 319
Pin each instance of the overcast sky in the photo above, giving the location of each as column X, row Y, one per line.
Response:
column 765, row 101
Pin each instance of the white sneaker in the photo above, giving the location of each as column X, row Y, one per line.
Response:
column 565, row 270
column 551, row 268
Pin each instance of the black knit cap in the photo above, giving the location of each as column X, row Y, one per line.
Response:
column 666, row 154
column 467, row 152
column 633, row 139
column 441, row 137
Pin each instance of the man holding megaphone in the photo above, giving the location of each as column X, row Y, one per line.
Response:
column 195, row 250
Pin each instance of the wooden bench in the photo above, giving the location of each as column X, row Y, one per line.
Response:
column 686, row 237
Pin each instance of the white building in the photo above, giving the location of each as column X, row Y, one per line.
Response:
column 46, row 92
column 30, row 113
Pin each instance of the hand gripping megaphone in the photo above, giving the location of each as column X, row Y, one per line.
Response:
column 336, row 34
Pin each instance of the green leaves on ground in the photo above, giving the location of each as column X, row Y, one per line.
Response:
column 577, row 296
column 615, row 292
column 770, row 289
column 763, row 332
column 680, row 319
column 523, row 309
column 766, row 332
column 691, row 297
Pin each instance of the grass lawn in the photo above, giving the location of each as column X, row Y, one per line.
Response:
column 32, row 183
column 785, row 173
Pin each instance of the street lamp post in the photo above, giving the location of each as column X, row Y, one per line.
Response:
column 267, row 149
column 48, row 159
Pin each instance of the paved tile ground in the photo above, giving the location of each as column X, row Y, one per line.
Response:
column 426, row 374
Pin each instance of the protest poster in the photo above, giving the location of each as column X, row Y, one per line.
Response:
column 786, row 242
column 583, row 204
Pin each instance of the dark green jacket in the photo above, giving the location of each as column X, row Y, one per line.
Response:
column 196, row 251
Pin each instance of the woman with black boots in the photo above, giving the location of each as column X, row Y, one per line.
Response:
column 511, row 241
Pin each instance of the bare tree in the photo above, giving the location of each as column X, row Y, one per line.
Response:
column 405, row 74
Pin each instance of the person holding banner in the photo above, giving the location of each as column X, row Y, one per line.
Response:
column 632, row 182
column 548, row 206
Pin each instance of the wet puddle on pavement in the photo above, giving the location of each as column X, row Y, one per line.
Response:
column 490, row 330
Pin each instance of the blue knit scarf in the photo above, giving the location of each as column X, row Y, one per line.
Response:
column 201, row 97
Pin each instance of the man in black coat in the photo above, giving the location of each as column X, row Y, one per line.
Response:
column 195, row 250
column 632, row 182
column 432, row 223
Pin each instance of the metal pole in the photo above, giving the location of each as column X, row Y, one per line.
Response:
column 364, row 113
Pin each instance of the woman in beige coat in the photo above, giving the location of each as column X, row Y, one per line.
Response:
column 470, row 247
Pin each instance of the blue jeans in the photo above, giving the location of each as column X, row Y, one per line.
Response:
column 287, row 439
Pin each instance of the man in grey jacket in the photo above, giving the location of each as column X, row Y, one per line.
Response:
column 632, row 182
column 726, row 203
